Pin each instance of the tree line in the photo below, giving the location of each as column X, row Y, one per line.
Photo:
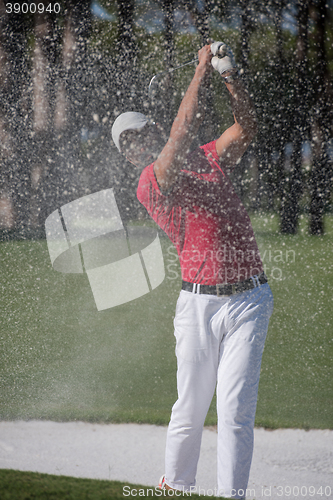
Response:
column 59, row 93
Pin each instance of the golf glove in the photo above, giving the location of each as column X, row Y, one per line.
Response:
column 223, row 59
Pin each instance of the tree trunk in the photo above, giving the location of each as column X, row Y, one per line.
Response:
column 209, row 126
column 126, row 53
column 201, row 20
column 62, row 108
column 15, row 109
column 281, row 120
column 166, row 85
column 293, row 185
column 246, row 30
column 320, row 181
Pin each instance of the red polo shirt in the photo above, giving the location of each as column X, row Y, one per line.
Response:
column 204, row 219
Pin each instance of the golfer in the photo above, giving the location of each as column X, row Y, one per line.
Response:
column 224, row 306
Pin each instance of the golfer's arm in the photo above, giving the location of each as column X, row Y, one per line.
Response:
column 233, row 143
column 183, row 131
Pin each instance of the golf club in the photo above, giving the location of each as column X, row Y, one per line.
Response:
column 221, row 52
column 168, row 71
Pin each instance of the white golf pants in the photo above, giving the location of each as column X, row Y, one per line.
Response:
column 219, row 343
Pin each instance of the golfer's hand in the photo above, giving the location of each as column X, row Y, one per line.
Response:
column 223, row 60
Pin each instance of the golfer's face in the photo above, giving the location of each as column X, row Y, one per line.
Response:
column 142, row 147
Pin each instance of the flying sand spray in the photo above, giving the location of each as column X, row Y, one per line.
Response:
column 221, row 52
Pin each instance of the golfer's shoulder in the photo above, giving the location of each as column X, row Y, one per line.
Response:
column 147, row 183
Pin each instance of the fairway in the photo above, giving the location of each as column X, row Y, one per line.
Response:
column 61, row 359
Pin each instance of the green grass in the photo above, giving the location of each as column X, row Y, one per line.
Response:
column 61, row 359
column 15, row 485
column 296, row 379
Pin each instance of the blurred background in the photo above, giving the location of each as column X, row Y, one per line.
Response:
column 67, row 70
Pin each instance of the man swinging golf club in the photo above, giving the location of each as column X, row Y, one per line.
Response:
column 225, row 303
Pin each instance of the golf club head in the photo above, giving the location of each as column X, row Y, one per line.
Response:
column 157, row 84
column 153, row 86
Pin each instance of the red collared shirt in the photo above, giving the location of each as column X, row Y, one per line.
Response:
column 204, row 219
